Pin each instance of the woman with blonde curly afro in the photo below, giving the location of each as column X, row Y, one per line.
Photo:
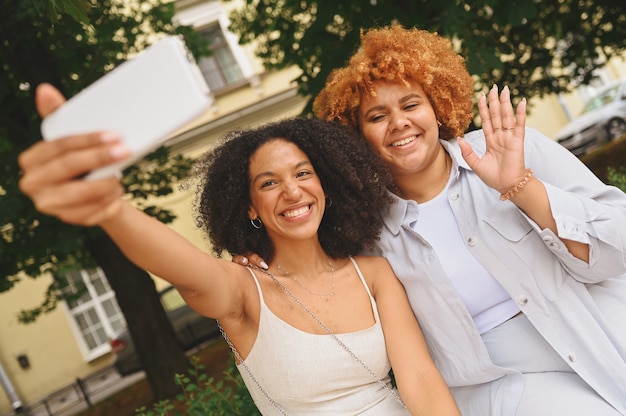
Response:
column 511, row 251
column 418, row 56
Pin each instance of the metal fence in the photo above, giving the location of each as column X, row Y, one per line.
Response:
column 80, row 395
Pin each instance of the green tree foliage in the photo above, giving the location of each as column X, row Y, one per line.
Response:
column 534, row 46
column 71, row 43
column 77, row 9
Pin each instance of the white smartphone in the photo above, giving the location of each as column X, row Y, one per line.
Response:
column 143, row 100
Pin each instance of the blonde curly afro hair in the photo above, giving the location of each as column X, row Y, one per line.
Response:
column 397, row 54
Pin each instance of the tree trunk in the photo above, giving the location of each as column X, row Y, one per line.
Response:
column 159, row 351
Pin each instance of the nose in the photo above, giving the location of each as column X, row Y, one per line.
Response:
column 292, row 190
column 398, row 121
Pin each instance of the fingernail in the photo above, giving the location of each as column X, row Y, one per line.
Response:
column 108, row 136
column 264, row 265
column 244, row 260
column 119, row 151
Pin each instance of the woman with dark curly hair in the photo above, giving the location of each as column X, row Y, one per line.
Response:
column 511, row 251
column 319, row 330
column 348, row 173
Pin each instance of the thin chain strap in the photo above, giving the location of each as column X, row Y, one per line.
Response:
column 245, row 366
column 332, row 335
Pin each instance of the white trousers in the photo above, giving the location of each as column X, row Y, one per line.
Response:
column 551, row 386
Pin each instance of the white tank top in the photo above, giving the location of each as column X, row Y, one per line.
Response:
column 310, row 374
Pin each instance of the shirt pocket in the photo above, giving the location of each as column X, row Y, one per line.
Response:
column 509, row 223
column 524, row 251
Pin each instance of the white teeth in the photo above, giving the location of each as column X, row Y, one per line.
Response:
column 296, row 212
column 403, row 141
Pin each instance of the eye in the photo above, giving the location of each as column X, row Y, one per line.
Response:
column 376, row 118
column 410, row 106
column 267, row 184
column 303, row 173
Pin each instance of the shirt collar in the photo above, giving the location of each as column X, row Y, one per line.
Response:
column 394, row 214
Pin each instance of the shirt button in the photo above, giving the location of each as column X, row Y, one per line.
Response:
column 431, row 258
column 572, row 357
column 454, row 196
column 471, row 241
column 522, row 300
column 547, row 238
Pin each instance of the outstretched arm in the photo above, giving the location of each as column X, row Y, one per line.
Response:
column 52, row 174
column 420, row 384
column 502, row 167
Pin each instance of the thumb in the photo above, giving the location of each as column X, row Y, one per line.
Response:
column 468, row 153
column 47, row 99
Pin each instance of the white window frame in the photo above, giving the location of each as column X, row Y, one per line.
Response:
column 94, row 302
column 208, row 14
column 220, row 51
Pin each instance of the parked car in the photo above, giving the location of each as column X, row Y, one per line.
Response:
column 603, row 119
column 192, row 329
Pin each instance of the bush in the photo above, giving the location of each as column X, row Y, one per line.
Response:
column 617, row 177
column 201, row 396
column 611, row 155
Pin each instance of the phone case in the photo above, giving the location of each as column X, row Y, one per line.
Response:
column 143, row 100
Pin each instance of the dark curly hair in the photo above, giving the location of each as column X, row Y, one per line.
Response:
column 394, row 53
column 350, row 173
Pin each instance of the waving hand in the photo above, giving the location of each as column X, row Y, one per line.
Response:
column 502, row 165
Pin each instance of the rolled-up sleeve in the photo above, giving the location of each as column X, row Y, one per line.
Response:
column 585, row 210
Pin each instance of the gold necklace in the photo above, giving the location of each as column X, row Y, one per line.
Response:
column 331, row 293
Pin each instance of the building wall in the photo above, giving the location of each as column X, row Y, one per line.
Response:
column 49, row 344
column 549, row 114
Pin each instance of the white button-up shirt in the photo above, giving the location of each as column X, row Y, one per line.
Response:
column 578, row 307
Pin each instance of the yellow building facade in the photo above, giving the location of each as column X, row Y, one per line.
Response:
column 70, row 343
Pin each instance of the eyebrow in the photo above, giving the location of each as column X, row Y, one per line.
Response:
column 402, row 100
column 270, row 173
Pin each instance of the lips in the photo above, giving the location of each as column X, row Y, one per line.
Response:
column 404, row 141
column 297, row 212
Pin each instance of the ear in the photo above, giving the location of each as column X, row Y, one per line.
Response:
column 252, row 214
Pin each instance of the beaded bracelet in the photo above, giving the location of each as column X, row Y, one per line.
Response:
column 528, row 173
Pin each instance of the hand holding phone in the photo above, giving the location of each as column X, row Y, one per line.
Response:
column 143, row 100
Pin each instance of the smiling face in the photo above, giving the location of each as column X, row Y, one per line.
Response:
column 285, row 191
column 400, row 125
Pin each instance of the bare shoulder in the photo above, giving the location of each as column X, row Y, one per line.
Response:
column 372, row 261
column 374, row 268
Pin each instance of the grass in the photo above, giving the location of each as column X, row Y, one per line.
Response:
column 215, row 357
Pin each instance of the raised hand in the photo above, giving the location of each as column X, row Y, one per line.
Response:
column 52, row 171
column 502, row 165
